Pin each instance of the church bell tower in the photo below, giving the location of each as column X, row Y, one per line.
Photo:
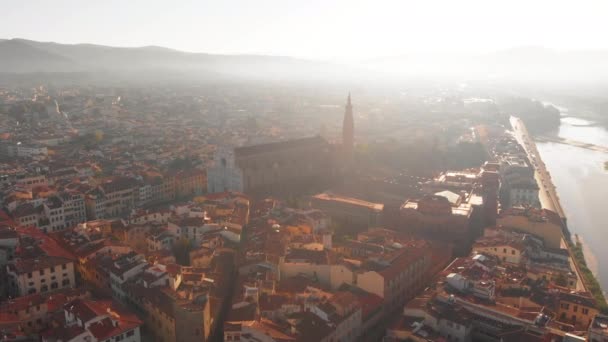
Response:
column 348, row 132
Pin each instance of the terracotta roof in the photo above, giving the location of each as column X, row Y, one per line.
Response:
column 240, row 312
column 105, row 328
column 349, row 200
column 82, row 309
column 118, row 319
column 311, row 327
column 271, row 329
column 8, row 233
column 272, row 302
column 580, row 299
column 306, row 255
column 29, row 265
column 27, row 209
column 294, row 284
column 399, row 264
column 22, row 303
column 118, row 184
column 279, row 146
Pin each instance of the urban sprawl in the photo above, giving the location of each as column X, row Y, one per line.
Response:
column 120, row 226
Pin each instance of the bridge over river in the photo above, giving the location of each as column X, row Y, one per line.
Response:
column 580, row 144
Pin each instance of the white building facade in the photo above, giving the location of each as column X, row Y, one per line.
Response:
column 224, row 175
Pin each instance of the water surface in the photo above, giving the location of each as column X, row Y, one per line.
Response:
column 582, row 186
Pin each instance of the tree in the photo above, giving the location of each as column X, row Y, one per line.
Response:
column 561, row 280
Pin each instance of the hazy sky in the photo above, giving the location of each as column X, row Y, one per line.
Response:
column 322, row 29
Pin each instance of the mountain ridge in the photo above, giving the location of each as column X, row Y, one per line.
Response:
column 527, row 63
column 29, row 56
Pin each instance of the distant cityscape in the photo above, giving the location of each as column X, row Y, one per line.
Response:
column 231, row 213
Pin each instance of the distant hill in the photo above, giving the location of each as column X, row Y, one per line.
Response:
column 18, row 56
column 530, row 63
column 24, row 56
column 524, row 64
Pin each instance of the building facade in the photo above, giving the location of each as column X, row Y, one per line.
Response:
column 272, row 167
column 30, row 276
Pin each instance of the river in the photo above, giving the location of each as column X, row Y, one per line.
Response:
column 582, row 186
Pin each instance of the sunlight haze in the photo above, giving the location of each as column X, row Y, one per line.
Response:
column 333, row 30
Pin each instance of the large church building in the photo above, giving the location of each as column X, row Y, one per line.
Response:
column 280, row 166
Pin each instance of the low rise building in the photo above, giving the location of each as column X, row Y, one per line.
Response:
column 598, row 329
column 444, row 216
column 39, row 266
column 578, row 309
column 112, row 198
column 95, row 321
column 349, row 210
column 540, row 222
column 124, row 268
column 33, row 313
column 40, row 275
column 9, row 240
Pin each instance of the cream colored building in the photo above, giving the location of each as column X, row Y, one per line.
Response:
column 48, row 273
column 506, row 252
column 542, row 223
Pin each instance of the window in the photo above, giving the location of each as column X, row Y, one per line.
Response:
column 41, row 272
column 130, row 333
column 64, row 266
column 504, row 250
column 585, row 311
column 29, row 275
column 575, row 309
column 512, row 252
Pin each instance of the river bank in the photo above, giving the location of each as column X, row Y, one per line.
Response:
column 590, row 258
column 548, row 196
column 582, row 184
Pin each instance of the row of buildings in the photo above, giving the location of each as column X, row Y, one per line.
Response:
column 511, row 287
column 518, row 184
column 64, row 203
column 300, row 281
column 518, row 281
column 133, row 262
